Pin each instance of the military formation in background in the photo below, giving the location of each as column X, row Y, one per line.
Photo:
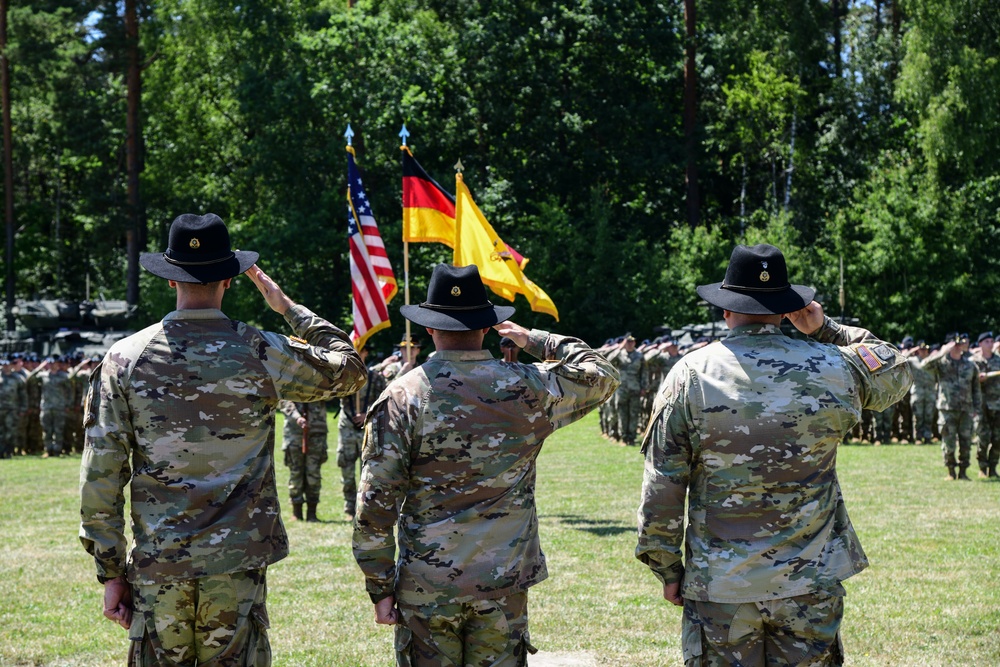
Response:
column 41, row 403
column 954, row 399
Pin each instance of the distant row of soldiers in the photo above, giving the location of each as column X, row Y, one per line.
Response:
column 955, row 397
column 41, row 404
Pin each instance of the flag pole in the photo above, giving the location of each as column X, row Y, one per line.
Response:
column 403, row 134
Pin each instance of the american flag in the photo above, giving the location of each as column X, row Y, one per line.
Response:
column 372, row 282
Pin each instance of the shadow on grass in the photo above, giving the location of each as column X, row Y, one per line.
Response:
column 599, row 527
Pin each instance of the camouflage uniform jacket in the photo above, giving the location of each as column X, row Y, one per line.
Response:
column 315, row 413
column 957, row 381
column 13, row 394
column 630, row 366
column 191, row 401
column 924, row 384
column 657, row 364
column 449, row 455
column 990, row 386
column 360, row 402
column 748, row 431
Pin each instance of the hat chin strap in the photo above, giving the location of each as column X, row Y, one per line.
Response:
column 738, row 288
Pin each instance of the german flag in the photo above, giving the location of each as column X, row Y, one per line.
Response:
column 428, row 211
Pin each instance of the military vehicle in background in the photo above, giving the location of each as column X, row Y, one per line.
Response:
column 50, row 327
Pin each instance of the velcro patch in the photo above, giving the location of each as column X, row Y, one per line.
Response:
column 870, row 360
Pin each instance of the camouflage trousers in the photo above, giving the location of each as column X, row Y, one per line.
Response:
column 882, row 425
column 803, row 630
column 956, row 433
column 483, row 633
column 609, row 421
column 217, row 621
column 348, row 452
column 923, row 418
column 53, row 430
column 627, row 410
column 988, row 438
column 304, row 477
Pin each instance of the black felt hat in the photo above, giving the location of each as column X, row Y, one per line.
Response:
column 757, row 284
column 456, row 301
column 198, row 251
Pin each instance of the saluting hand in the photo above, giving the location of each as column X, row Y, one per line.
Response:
column 809, row 319
column 273, row 295
column 515, row 332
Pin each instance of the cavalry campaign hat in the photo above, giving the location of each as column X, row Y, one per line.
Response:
column 456, row 301
column 757, row 284
column 198, row 251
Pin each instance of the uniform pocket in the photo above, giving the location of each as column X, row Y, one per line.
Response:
column 257, row 652
column 404, row 646
column 692, row 637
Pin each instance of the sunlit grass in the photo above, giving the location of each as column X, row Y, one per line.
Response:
column 931, row 596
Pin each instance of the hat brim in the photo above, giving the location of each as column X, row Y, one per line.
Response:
column 796, row 297
column 155, row 263
column 457, row 320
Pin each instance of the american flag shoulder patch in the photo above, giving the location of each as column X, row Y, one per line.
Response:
column 870, row 360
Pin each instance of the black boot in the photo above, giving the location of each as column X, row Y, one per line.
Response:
column 962, row 475
column 297, row 511
column 951, row 473
column 311, row 512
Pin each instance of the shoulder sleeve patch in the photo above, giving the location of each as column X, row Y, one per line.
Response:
column 870, row 360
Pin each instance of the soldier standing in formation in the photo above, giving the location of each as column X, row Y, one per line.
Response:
column 182, row 413
column 658, row 359
column 449, row 461
column 922, row 394
column 988, row 433
column 12, row 404
column 350, row 430
column 630, row 365
column 746, row 431
column 305, row 452
column 958, row 401
column 56, row 403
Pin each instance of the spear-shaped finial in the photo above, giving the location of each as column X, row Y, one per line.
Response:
column 349, row 134
column 458, row 166
column 404, row 133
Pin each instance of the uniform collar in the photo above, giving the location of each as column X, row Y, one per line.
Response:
column 196, row 314
column 463, row 355
column 756, row 330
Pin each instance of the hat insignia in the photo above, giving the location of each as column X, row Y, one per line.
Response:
column 195, row 244
column 455, row 291
column 764, row 276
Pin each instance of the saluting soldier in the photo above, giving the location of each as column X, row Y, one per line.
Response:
column 31, row 427
column 350, row 432
column 12, row 402
column 988, row 433
column 630, row 364
column 922, row 394
column 959, row 398
column 56, row 405
column 449, row 470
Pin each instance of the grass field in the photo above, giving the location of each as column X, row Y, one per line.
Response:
column 931, row 596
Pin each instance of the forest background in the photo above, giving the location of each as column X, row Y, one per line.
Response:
column 623, row 146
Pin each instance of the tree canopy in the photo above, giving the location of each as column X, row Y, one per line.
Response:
column 865, row 132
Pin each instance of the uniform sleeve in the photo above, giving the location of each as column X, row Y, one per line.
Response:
column 977, row 391
column 104, row 470
column 880, row 371
column 668, row 451
column 385, row 461
column 577, row 378
column 320, row 363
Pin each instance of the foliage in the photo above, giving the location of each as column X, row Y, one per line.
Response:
column 567, row 119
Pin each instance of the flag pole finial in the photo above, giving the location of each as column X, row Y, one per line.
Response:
column 349, row 134
column 458, row 166
column 404, row 133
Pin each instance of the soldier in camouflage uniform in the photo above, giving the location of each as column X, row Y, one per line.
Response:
column 57, row 404
column 747, row 431
column 183, row 414
column 629, row 363
column 449, row 459
column 988, row 433
column 606, row 413
column 31, row 427
column 959, row 398
column 657, row 362
column 12, row 402
column 350, row 432
column 304, row 447
column 922, row 394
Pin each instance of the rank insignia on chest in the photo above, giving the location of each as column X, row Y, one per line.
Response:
column 870, row 360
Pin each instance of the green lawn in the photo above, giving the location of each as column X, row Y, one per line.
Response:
column 931, row 596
